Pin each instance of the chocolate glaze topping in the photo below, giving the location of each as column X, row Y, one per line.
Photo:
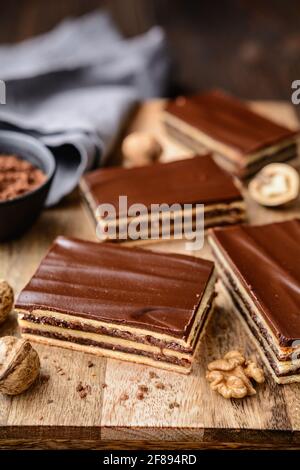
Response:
column 228, row 120
column 130, row 286
column 194, row 180
column 267, row 261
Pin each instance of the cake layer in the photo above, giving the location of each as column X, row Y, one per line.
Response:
column 190, row 181
column 103, row 341
column 168, row 226
column 209, row 210
column 225, row 124
column 72, row 340
column 265, row 261
column 242, row 167
column 97, row 350
column 282, row 373
column 118, row 333
column 282, row 155
column 81, row 336
column 198, row 142
column 250, row 311
column 282, row 367
column 131, row 288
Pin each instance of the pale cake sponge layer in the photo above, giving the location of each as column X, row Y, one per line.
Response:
column 226, row 216
column 281, row 380
column 112, row 342
column 222, row 207
column 109, row 353
column 223, row 267
column 224, row 219
column 119, row 355
column 209, row 223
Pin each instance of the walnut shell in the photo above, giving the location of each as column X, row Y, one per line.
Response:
column 141, row 148
column 19, row 365
column 6, row 300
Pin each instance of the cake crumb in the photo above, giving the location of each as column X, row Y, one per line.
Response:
column 44, row 378
column 123, row 397
column 83, row 390
column 83, row 393
column 140, row 396
column 79, row 387
column 160, row 386
column 153, row 375
column 60, row 370
column 174, row 405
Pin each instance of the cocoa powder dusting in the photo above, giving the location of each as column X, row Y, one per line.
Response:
column 18, row 177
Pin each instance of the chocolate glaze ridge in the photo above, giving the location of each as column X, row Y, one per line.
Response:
column 190, row 181
column 266, row 261
column 230, row 121
column 130, row 286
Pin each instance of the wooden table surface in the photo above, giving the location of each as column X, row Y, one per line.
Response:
column 186, row 413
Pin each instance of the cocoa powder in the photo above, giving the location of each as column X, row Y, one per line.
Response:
column 17, row 177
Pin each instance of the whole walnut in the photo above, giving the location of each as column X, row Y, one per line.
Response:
column 6, row 300
column 141, row 148
column 19, row 365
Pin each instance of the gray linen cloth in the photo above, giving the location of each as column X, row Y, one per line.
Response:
column 72, row 88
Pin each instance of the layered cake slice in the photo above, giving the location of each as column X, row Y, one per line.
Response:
column 193, row 181
column 242, row 140
column 123, row 303
column 260, row 271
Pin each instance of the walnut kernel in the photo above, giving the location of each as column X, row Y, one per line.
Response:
column 230, row 376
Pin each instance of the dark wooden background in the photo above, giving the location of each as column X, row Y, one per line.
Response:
column 250, row 47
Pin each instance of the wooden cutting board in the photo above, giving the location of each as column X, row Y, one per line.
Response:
column 178, row 411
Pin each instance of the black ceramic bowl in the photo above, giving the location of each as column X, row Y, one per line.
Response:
column 18, row 214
